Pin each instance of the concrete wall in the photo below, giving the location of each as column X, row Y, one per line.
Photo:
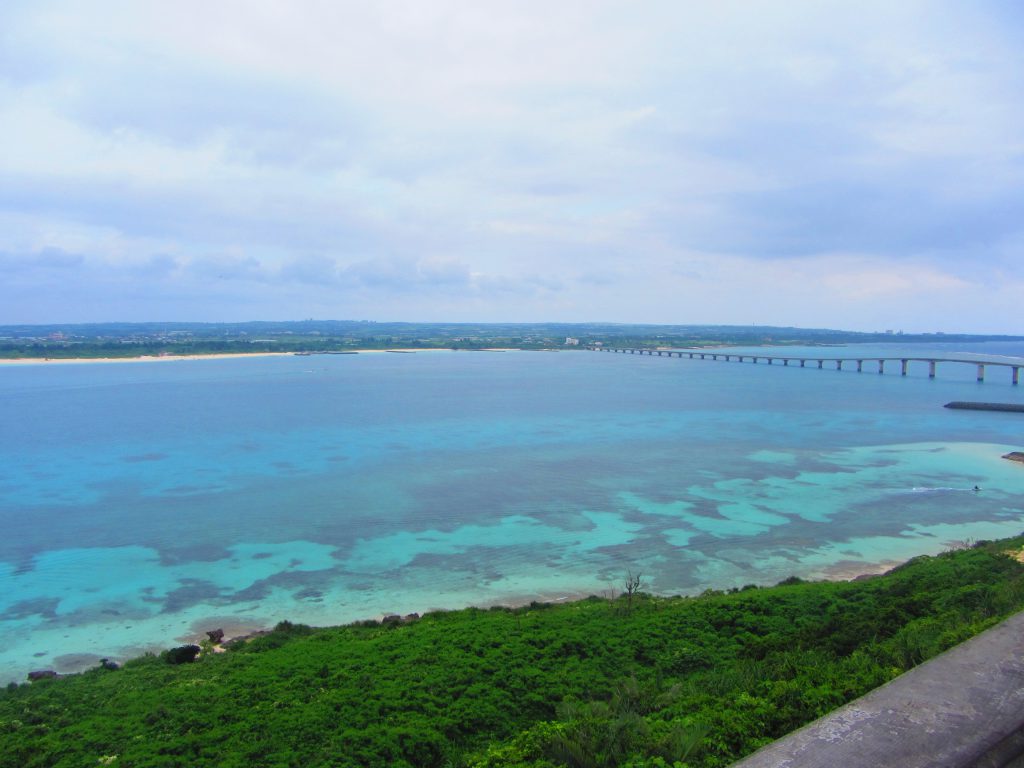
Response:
column 963, row 709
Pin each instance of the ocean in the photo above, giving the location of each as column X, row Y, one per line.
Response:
column 144, row 503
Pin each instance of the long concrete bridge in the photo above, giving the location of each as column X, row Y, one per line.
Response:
column 838, row 362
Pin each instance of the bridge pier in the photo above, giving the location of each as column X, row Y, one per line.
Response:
column 933, row 363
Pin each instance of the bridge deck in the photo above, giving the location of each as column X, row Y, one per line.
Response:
column 770, row 358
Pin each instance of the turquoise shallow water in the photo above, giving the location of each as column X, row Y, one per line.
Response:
column 142, row 503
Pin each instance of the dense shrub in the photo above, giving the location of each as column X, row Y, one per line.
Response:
column 674, row 681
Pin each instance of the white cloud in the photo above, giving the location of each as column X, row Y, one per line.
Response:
column 521, row 161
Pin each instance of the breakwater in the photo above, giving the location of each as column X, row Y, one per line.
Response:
column 964, row 405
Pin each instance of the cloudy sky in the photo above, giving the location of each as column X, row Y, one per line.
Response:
column 843, row 164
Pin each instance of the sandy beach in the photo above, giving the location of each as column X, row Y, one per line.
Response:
column 139, row 359
column 221, row 356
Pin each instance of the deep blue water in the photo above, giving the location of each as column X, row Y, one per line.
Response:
column 144, row 502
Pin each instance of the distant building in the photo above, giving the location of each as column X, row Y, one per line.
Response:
column 571, row 342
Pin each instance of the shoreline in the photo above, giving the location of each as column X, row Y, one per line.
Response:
column 241, row 631
column 17, row 361
column 236, row 630
column 136, row 359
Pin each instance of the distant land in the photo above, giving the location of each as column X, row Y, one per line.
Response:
column 104, row 340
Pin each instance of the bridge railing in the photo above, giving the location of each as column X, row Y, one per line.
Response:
column 962, row 709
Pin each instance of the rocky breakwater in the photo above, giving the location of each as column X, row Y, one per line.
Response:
column 966, row 405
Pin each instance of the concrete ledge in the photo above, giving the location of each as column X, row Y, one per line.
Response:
column 962, row 709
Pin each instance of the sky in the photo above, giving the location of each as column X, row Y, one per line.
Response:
column 855, row 165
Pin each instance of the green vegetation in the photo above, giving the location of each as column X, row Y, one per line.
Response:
column 639, row 681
